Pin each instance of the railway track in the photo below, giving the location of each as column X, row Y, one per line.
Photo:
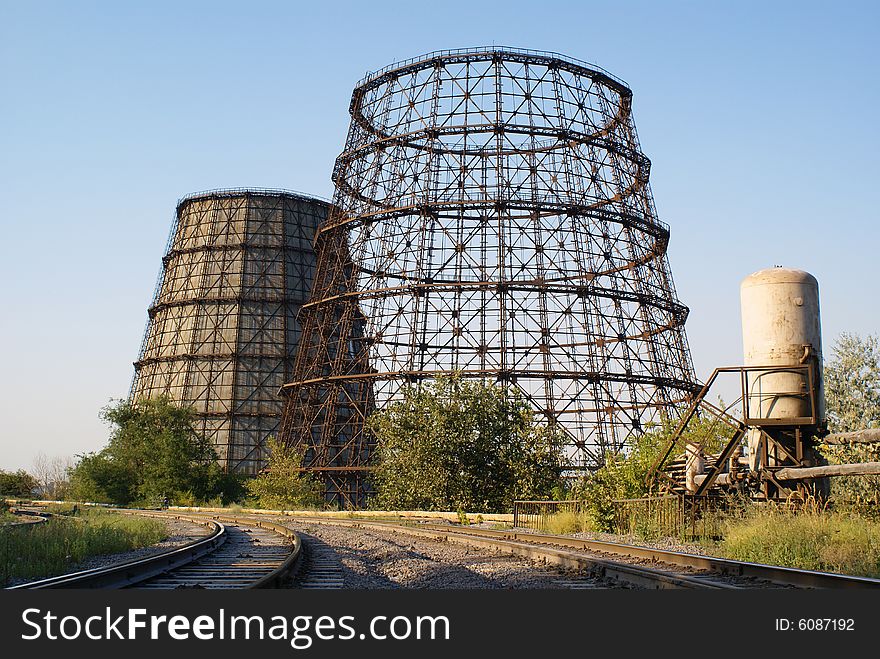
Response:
column 237, row 553
column 253, row 552
column 28, row 517
column 322, row 569
column 644, row 567
column 770, row 574
column 591, row 570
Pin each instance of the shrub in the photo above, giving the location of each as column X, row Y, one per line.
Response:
column 459, row 444
column 626, row 476
column 17, row 485
column 283, row 485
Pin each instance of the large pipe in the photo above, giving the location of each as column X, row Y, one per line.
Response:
column 869, row 436
column 801, row 473
column 720, row 479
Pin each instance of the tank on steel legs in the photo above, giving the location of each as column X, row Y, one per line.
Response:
column 493, row 218
column 782, row 333
column 223, row 327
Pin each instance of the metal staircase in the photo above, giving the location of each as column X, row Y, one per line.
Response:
column 785, row 440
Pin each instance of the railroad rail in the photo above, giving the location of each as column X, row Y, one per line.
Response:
column 703, row 571
column 626, row 574
column 628, row 565
column 237, row 553
column 32, row 517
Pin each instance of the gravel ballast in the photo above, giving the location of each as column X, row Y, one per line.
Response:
column 376, row 559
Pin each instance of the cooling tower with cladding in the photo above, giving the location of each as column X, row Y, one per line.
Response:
column 222, row 326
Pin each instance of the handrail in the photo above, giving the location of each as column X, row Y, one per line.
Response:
column 722, row 415
column 488, row 50
column 230, row 192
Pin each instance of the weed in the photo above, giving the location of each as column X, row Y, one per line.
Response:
column 565, row 522
column 39, row 550
column 812, row 539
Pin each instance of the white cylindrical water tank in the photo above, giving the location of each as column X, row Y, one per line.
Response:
column 781, row 327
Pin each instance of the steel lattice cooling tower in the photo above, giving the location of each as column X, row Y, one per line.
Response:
column 223, row 326
column 492, row 217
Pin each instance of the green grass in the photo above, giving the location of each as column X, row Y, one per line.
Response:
column 5, row 516
column 41, row 550
column 565, row 522
column 814, row 540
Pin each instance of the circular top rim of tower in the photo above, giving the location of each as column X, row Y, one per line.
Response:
column 229, row 193
column 483, row 53
column 778, row 275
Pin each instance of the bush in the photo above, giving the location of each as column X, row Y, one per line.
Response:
column 626, row 476
column 283, row 485
column 5, row 515
column 17, row 485
column 462, row 445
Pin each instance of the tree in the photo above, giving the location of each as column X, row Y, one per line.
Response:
column 852, row 384
column 852, row 401
column 52, row 475
column 99, row 478
column 153, row 453
column 462, row 445
column 283, row 485
column 19, row 484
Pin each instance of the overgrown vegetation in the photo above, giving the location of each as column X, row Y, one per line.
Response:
column 154, row 455
column 852, row 398
column 626, row 476
column 5, row 515
column 806, row 539
column 17, row 485
column 462, row 445
column 567, row 522
column 283, row 485
column 40, row 550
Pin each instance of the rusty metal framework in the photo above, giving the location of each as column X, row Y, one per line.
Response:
column 492, row 217
column 222, row 329
column 782, row 442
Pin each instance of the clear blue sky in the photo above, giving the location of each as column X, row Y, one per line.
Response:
column 760, row 119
